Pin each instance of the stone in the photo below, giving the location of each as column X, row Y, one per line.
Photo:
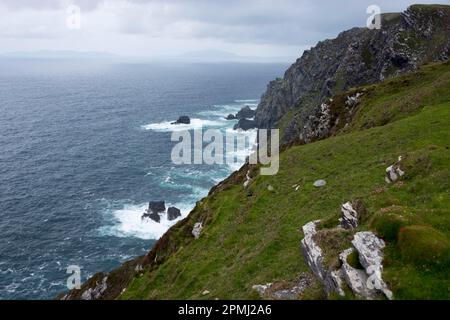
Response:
column 393, row 173
column 245, row 124
column 245, row 113
column 320, row 183
column 96, row 292
column 248, row 179
column 154, row 210
column 182, row 120
column 262, row 288
column 230, row 117
column 270, row 188
column 196, row 231
column 356, row 279
column 205, row 293
column 173, row 213
column 350, row 216
column 370, row 251
column 157, row 206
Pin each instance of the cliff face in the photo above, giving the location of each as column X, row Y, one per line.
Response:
column 356, row 57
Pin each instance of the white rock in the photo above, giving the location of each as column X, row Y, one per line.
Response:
column 370, row 250
column 262, row 288
column 247, row 179
column 356, row 279
column 270, row 188
column 393, row 173
column 196, row 231
column 349, row 218
column 320, row 183
column 206, row 292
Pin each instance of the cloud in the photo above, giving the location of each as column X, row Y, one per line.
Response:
column 273, row 25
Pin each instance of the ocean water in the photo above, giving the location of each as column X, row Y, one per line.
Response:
column 84, row 146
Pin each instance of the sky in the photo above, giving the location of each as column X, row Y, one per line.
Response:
column 154, row 28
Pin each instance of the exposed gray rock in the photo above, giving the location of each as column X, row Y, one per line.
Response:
column 370, row 251
column 173, row 213
column 231, row 117
column 245, row 113
column 356, row 57
column 248, row 179
column 356, row 279
column 96, row 292
column 245, row 124
column 197, row 230
column 350, row 216
column 261, row 288
column 394, row 172
column 314, row 257
column 320, row 183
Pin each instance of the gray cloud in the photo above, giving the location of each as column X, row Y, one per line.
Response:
column 272, row 25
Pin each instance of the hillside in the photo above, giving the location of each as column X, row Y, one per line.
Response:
column 252, row 235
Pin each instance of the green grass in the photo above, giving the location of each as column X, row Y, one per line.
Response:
column 252, row 236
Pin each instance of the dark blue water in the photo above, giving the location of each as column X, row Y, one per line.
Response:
column 84, row 147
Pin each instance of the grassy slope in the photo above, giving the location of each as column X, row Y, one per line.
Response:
column 252, row 236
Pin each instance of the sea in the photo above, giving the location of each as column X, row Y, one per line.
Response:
column 85, row 145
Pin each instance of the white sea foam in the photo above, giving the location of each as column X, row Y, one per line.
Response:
column 167, row 126
column 129, row 222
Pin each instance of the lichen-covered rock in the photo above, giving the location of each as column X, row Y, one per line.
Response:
column 356, row 279
column 393, row 173
column 370, row 251
column 350, row 216
column 197, row 230
column 285, row 291
column 314, row 257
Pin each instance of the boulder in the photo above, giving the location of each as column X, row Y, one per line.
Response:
column 173, row 213
column 393, row 173
column 245, row 124
column 245, row 113
column 183, row 120
column 197, row 230
column 369, row 248
column 156, row 206
column 356, row 279
column 154, row 209
column 231, row 117
column 350, row 216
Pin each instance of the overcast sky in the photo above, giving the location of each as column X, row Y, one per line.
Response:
column 168, row 27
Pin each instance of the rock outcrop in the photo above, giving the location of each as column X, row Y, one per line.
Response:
column 95, row 292
column 350, row 216
column 394, row 172
column 197, row 230
column 245, row 113
column 155, row 208
column 183, row 120
column 245, row 124
column 356, row 57
column 173, row 213
column 314, row 257
column 370, row 251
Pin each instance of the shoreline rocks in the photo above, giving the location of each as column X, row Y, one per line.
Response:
column 157, row 208
column 182, row 120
